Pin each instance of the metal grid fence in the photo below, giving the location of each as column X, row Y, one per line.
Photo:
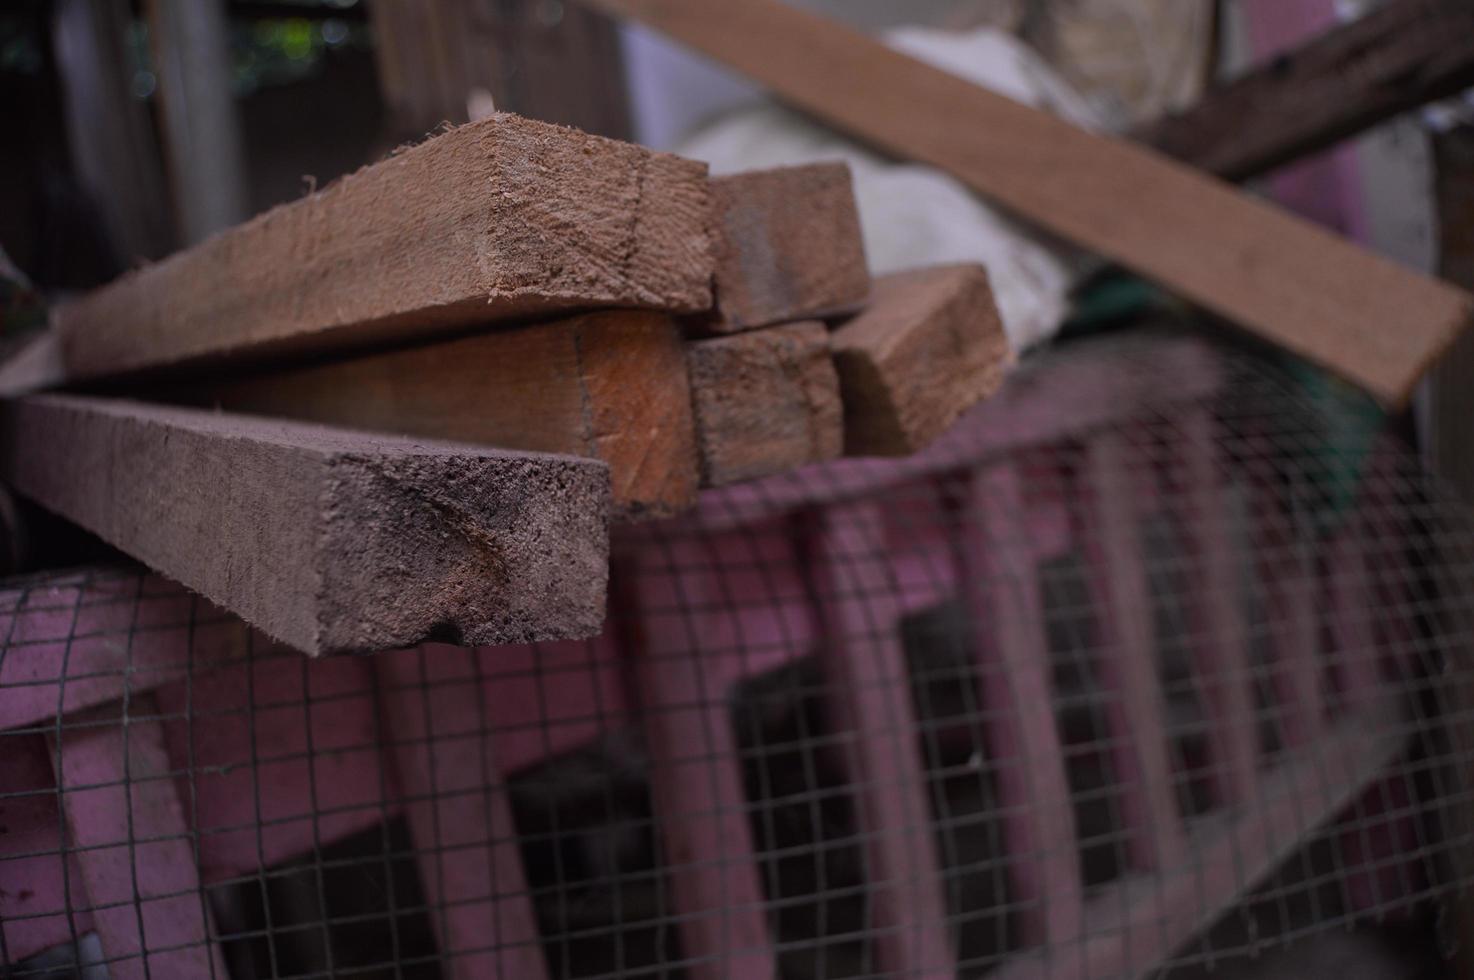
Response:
column 1156, row 666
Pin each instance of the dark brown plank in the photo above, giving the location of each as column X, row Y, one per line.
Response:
column 1395, row 58
column 498, row 219
column 328, row 540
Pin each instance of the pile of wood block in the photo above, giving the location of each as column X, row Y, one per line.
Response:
column 410, row 405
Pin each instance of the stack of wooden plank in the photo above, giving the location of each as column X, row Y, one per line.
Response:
column 410, row 405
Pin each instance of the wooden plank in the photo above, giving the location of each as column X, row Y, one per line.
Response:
column 868, row 691
column 1127, row 662
column 459, row 817
column 765, row 402
column 199, row 123
column 1221, row 631
column 1351, row 604
column 327, row 540
column 1394, row 58
column 1007, row 606
column 1281, row 278
column 74, row 641
column 497, row 219
column 1286, row 572
column 133, row 843
column 1055, row 396
column 788, row 247
column 1137, row 925
column 928, row 347
column 712, row 610
column 608, row 386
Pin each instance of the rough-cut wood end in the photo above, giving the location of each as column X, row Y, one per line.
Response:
column 637, row 395
column 502, row 218
column 929, row 346
column 471, row 547
column 788, row 247
column 765, row 402
column 328, row 540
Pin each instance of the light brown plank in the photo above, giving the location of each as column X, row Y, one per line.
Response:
column 765, row 402
column 788, row 247
column 328, row 540
column 1372, row 321
column 502, row 218
column 609, row 386
column 928, row 347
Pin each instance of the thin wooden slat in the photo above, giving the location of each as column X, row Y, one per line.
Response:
column 1351, row 602
column 111, row 630
column 711, row 610
column 1111, row 540
column 42, row 897
column 1288, row 584
column 458, row 813
column 1138, row 924
column 329, row 540
column 1281, row 278
column 284, row 757
column 1220, row 629
column 868, row 690
column 134, row 844
column 1003, row 593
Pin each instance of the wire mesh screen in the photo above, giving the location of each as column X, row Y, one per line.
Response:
column 1155, row 666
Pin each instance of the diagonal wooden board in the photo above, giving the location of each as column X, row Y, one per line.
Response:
column 1370, row 320
column 331, row 541
column 506, row 218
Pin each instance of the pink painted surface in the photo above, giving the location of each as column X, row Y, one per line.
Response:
column 916, row 536
column 1216, row 610
column 1003, row 595
column 458, row 813
column 548, row 698
column 41, row 674
column 283, row 755
column 868, row 692
column 1349, row 599
column 133, row 844
column 1110, row 538
column 35, row 871
column 711, row 610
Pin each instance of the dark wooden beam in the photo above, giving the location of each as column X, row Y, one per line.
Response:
column 1395, row 58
